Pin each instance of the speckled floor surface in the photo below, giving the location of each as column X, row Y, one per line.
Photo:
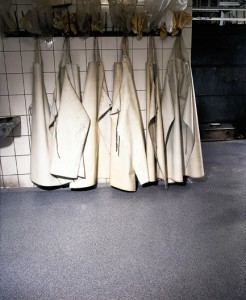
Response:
column 188, row 242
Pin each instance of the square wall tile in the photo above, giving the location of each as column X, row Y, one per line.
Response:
column 82, row 80
column 11, row 44
column 15, row 84
column 140, row 81
column 2, row 63
column 78, row 57
column 28, row 58
column 28, row 83
column 140, row 44
column 77, row 43
column 25, row 181
column 4, row 106
column 13, row 62
column 58, row 43
column 46, row 44
column 109, row 57
column 89, row 43
column 9, row 165
column 22, row 146
column 108, row 43
column 23, row 164
column 1, row 181
column 49, row 81
column 168, row 43
column 3, row 85
column 22, row 128
column 7, row 146
column 17, row 105
column 27, row 43
column 48, row 61
column 142, row 99
column 11, row 181
column 158, row 43
column 109, row 76
column 139, row 59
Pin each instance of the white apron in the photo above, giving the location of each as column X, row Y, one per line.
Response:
column 128, row 156
column 41, row 137
column 154, row 135
column 97, row 105
column 104, row 125
column 180, row 122
column 71, row 126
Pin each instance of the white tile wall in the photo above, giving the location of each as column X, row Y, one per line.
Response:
column 9, row 165
column 27, row 60
column 17, row 104
column 3, row 85
column 23, row 164
column 15, row 84
column 10, row 44
column 16, row 75
column 2, row 62
column 4, row 106
column 13, row 62
column 7, row 147
column 22, row 145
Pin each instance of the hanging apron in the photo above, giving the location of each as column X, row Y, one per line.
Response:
column 180, row 122
column 104, row 124
column 128, row 156
column 97, row 105
column 71, row 124
column 154, row 135
column 41, row 137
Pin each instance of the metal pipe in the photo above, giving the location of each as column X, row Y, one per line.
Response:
column 217, row 9
column 219, row 19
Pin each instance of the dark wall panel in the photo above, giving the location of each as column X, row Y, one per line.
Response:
column 219, row 71
column 224, row 109
column 216, row 80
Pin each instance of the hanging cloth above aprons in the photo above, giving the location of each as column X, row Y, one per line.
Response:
column 180, row 122
column 41, row 136
column 154, row 135
column 97, row 104
column 71, row 124
column 128, row 156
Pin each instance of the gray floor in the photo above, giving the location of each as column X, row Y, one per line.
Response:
column 188, row 242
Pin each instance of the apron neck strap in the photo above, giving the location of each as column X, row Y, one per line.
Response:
column 125, row 46
column 97, row 57
column 151, row 51
column 38, row 58
column 67, row 51
column 66, row 57
column 180, row 50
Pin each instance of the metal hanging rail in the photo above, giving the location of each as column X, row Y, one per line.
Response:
column 224, row 12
